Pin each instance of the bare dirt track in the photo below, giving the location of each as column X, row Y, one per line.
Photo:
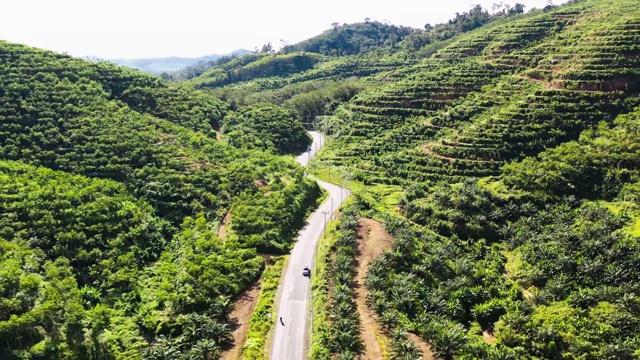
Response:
column 222, row 232
column 240, row 316
column 373, row 239
column 427, row 354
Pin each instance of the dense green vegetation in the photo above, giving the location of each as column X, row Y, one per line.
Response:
column 90, row 273
column 434, row 37
column 254, row 66
column 499, row 93
column 351, row 51
column 352, row 39
column 189, row 109
column 555, row 284
column 113, row 189
column 266, row 127
column 308, row 99
column 598, row 165
column 338, row 329
column 516, row 144
column 500, row 149
column 89, row 222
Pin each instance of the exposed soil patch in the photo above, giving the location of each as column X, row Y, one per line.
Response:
column 618, row 83
column 489, row 337
column 240, row 316
column 266, row 257
column 427, row 150
column 633, row 55
column 470, row 52
column 222, row 232
column 427, row 354
column 548, row 85
column 258, row 183
column 373, row 239
column 445, row 96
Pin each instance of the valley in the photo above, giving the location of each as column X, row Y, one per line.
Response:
column 466, row 190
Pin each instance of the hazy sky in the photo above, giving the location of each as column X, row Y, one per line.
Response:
column 148, row 28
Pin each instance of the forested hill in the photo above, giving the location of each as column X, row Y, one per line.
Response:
column 497, row 94
column 352, row 39
column 113, row 187
column 357, row 49
column 506, row 166
column 341, row 40
column 312, row 77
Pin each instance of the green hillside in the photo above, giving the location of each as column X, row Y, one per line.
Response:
column 113, row 189
column 252, row 66
column 359, row 49
column 118, row 124
column 515, row 147
column 495, row 95
column 312, row 77
column 500, row 151
column 308, row 60
column 267, row 127
column 352, row 39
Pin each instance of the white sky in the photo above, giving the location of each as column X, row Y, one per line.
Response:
column 148, row 28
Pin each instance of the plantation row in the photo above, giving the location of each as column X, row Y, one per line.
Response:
column 340, row 336
column 509, row 91
column 319, row 69
column 484, row 276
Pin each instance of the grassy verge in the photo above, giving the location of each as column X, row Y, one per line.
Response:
column 320, row 290
column 385, row 198
column 263, row 318
column 258, row 339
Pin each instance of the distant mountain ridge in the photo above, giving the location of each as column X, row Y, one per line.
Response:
column 159, row 65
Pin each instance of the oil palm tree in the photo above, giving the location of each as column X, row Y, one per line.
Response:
column 449, row 341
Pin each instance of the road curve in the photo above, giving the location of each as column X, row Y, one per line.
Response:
column 289, row 342
column 318, row 142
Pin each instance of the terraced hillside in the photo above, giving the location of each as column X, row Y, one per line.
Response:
column 498, row 94
column 254, row 66
column 268, row 72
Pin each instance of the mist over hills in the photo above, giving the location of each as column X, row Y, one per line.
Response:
column 158, row 65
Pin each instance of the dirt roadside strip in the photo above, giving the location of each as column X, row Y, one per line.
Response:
column 240, row 316
column 373, row 240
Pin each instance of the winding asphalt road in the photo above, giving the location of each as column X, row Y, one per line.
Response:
column 289, row 342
